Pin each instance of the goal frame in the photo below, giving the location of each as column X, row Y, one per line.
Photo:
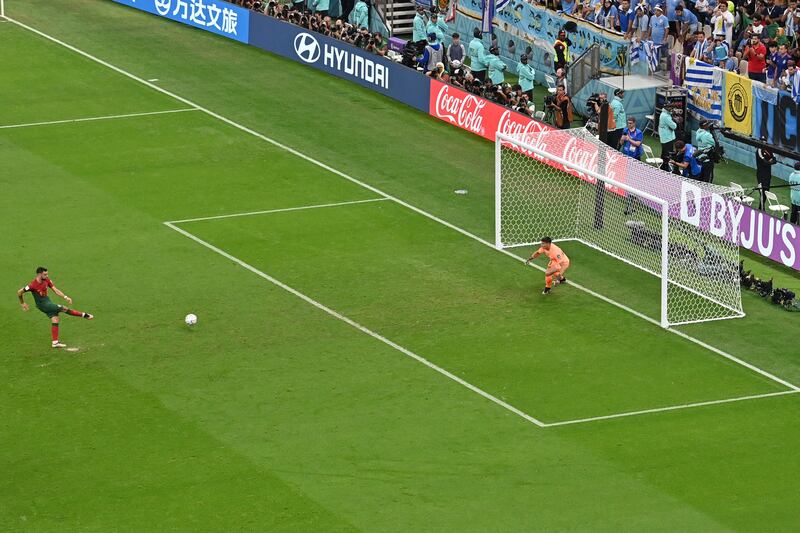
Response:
column 659, row 203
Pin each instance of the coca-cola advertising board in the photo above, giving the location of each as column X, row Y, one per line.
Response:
column 484, row 118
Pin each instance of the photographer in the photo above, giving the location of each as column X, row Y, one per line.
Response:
column 686, row 162
column 666, row 134
column 764, row 161
column 614, row 134
column 562, row 108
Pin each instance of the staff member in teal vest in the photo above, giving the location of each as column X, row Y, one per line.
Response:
column 666, row 133
column 526, row 76
column 321, row 6
column 794, row 181
column 419, row 33
column 437, row 26
column 477, row 55
column 496, row 66
column 360, row 15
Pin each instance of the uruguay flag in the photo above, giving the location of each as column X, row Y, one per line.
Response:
column 490, row 7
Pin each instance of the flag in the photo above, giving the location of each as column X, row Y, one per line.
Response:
column 767, row 94
column 738, row 103
column 651, row 51
column 489, row 8
column 635, row 51
column 699, row 74
column 451, row 11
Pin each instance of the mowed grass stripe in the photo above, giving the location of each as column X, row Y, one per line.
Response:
column 42, row 85
column 478, row 314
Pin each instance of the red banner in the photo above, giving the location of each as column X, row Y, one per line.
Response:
column 484, row 118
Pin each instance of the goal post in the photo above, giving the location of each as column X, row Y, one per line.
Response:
column 568, row 185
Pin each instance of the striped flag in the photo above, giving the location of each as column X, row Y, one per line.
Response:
column 636, row 50
column 651, row 52
column 704, row 84
column 489, row 8
column 699, row 74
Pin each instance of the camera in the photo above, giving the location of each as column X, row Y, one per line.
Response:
column 593, row 99
column 783, row 297
column 713, row 154
column 549, row 100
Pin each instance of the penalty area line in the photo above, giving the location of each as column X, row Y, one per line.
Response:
column 379, row 192
column 93, row 119
column 358, row 326
column 670, row 408
column 283, row 210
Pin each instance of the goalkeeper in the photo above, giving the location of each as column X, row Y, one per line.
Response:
column 558, row 265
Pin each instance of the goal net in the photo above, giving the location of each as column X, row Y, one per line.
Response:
column 568, row 185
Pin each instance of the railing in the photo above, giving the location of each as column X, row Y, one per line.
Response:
column 585, row 67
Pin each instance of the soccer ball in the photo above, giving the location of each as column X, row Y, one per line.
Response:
column 190, row 319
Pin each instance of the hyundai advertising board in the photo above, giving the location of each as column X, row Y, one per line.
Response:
column 340, row 59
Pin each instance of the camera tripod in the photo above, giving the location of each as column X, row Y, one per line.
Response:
column 549, row 115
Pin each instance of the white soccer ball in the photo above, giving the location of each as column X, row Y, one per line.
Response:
column 190, row 319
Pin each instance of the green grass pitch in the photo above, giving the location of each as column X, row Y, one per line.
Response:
column 275, row 412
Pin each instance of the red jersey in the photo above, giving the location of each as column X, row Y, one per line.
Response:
column 38, row 288
column 754, row 64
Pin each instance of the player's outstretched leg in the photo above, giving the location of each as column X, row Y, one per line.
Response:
column 73, row 312
column 54, row 333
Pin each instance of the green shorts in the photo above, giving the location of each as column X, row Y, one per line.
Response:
column 49, row 308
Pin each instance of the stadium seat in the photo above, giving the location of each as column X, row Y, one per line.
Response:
column 743, row 67
column 773, row 204
column 539, row 115
column 740, row 195
column 650, row 125
column 551, row 83
column 650, row 158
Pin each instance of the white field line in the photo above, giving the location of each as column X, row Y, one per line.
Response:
column 92, row 119
column 358, row 326
column 671, row 408
column 390, row 197
column 421, row 359
column 283, row 210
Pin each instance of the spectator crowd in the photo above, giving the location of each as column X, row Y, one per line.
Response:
column 758, row 38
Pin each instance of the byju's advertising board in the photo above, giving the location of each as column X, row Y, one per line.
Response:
column 217, row 17
column 340, row 59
